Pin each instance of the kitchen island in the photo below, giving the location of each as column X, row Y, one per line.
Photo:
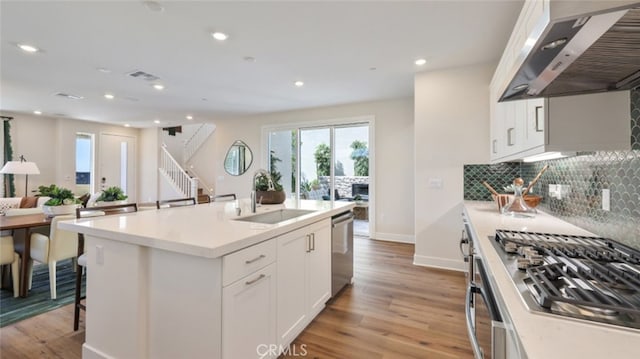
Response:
column 195, row 282
column 543, row 335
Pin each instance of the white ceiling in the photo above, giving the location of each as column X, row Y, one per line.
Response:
column 331, row 46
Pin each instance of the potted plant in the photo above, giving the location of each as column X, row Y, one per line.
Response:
column 114, row 195
column 62, row 200
column 264, row 194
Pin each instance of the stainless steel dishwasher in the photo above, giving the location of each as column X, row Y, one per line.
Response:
column 341, row 251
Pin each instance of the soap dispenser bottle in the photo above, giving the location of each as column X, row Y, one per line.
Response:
column 518, row 207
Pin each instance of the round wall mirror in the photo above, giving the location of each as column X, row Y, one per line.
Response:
column 238, row 159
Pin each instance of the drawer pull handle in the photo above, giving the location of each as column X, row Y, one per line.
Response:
column 255, row 259
column 250, row 282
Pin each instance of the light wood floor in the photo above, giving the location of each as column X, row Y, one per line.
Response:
column 394, row 310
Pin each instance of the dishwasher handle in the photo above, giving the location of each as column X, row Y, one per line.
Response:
column 343, row 219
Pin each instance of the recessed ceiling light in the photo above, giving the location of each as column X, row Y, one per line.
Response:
column 156, row 121
column 189, row 117
column 37, row 112
column 127, row 125
column 421, row 62
column 28, row 48
column 104, row 70
column 220, row 36
column 153, row 6
column 158, row 87
column 299, row 83
column 109, row 96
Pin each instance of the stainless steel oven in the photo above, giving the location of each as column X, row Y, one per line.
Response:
column 485, row 326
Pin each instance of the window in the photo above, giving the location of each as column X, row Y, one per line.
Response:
column 84, row 163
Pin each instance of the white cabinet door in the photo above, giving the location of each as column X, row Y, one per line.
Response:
column 515, row 118
column 304, row 278
column 292, row 284
column 497, row 130
column 535, row 123
column 249, row 315
column 319, row 270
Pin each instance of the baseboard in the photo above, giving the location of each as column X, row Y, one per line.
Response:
column 89, row 352
column 392, row 237
column 440, row 263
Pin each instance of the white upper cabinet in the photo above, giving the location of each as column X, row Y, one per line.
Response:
column 594, row 122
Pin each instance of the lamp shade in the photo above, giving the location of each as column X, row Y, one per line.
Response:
column 20, row 168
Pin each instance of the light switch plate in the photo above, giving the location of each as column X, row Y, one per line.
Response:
column 435, row 183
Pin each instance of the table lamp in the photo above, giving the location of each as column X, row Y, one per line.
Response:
column 21, row 167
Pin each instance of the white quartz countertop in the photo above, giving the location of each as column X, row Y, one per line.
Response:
column 543, row 335
column 205, row 230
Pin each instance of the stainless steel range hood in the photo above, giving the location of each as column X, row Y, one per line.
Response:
column 581, row 47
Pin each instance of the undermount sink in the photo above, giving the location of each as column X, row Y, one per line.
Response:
column 273, row 217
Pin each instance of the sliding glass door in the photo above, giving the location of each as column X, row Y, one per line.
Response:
column 324, row 163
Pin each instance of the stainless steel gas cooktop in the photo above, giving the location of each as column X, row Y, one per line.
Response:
column 589, row 278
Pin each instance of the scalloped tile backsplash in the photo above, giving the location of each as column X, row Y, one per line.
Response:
column 587, row 174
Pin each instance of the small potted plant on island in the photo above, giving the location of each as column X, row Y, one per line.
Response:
column 111, row 197
column 263, row 193
column 62, row 200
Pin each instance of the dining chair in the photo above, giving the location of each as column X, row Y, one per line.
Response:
column 58, row 245
column 82, row 258
column 178, row 202
column 8, row 255
column 224, row 197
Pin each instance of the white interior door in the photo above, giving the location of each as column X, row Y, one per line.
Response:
column 117, row 163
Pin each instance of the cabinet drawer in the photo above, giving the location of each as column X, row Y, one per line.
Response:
column 241, row 263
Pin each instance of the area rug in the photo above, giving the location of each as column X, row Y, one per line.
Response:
column 38, row 300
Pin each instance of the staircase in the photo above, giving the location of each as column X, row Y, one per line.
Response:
column 186, row 182
column 180, row 180
column 198, row 138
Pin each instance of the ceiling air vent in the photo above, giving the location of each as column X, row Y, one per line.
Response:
column 143, row 76
column 68, row 96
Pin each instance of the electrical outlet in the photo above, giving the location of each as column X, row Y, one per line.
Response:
column 559, row 191
column 99, row 255
column 606, row 199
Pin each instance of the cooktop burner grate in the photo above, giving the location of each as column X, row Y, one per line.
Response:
column 586, row 277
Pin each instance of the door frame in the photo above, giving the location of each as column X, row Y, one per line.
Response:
column 330, row 123
column 134, row 173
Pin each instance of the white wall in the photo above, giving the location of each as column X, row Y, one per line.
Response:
column 50, row 143
column 451, row 129
column 148, row 164
column 394, row 171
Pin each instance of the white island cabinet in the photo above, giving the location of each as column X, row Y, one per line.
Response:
column 193, row 282
column 304, row 278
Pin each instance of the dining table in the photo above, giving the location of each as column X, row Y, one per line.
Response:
column 27, row 222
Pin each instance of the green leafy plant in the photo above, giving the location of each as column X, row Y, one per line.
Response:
column 360, row 156
column 59, row 196
column 111, row 194
column 262, row 182
column 322, row 156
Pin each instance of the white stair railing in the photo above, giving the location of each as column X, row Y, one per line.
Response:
column 204, row 185
column 192, row 145
column 180, row 180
